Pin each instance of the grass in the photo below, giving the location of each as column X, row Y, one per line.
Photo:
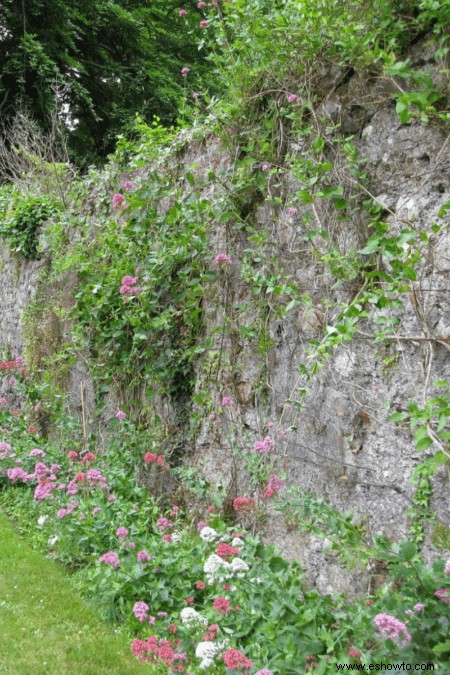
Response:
column 45, row 628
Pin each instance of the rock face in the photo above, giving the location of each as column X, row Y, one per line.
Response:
column 340, row 444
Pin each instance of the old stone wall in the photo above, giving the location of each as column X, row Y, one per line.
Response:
column 341, row 444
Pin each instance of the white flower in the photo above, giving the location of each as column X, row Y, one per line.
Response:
column 52, row 541
column 176, row 536
column 214, row 567
column 189, row 617
column 206, row 651
column 41, row 520
column 237, row 543
column 208, row 533
column 239, row 567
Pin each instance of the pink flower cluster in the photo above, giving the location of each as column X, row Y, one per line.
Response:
column 37, row 453
column 122, row 533
column 264, row 671
column 119, row 200
column 153, row 458
column 17, row 473
column 163, row 524
column 12, row 365
column 227, row 400
column 157, row 651
column 222, row 259
column 62, row 513
column 222, row 605
column 443, row 594
column 235, row 660
column 392, row 629
column 129, row 287
column 111, row 558
column 140, row 611
column 447, row 564
column 266, row 445
column 212, row 633
column 185, row 71
column 274, row 485
column 293, row 98
column 244, row 504
column 224, row 550
column 144, row 557
column 182, row 12
column 5, row 450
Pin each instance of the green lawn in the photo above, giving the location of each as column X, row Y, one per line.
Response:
column 45, row 628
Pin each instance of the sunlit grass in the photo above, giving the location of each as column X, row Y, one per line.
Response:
column 45, row 628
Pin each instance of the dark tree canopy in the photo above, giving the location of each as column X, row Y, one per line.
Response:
column 119, row 57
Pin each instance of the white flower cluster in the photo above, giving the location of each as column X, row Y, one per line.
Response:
column 207, row 651
column 217, row 569
column 208, row 534
column 190, row 618
column 237, row 542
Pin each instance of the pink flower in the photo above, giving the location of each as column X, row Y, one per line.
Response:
column 36, row 453
column 266, row 445
column 419, row 607
column 355, row 653
column 140, row 610
column 120, row 415
column 172, row 629
column 222, row 605
column 111, row 498
column 200, row 525
column 118, row 200
column 182, row 12
column 211, row 417
column 264, row 671
column 32, row 429
column 227, row 400
column 190, row 600
column 201, row 4
column 204, row 23
column 224, row 550
column 447, row 567
column 293, row 98
column 163, row 524
column 222, row 258
column 200, row 585
column 143, row 556
column 265, row 167
column 274, row 485
column 244, row 504
column 235, row 660
column 127, row 184
column 195, row 94
column 121, row 533
column 185, row 71
column 292, row 211
column 110, row 558
column 72, row 455
column 17, row 473
column 391, row 628
column 96, row 510
column 44, row 488
column 89, row 457
column 443, row 594
column 167, row 537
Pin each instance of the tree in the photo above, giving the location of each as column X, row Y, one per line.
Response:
column 120, row 57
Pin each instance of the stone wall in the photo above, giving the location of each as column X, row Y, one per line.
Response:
column 343, row 446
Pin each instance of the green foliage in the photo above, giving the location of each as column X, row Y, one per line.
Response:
column 22, row 217
column 112, row 60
